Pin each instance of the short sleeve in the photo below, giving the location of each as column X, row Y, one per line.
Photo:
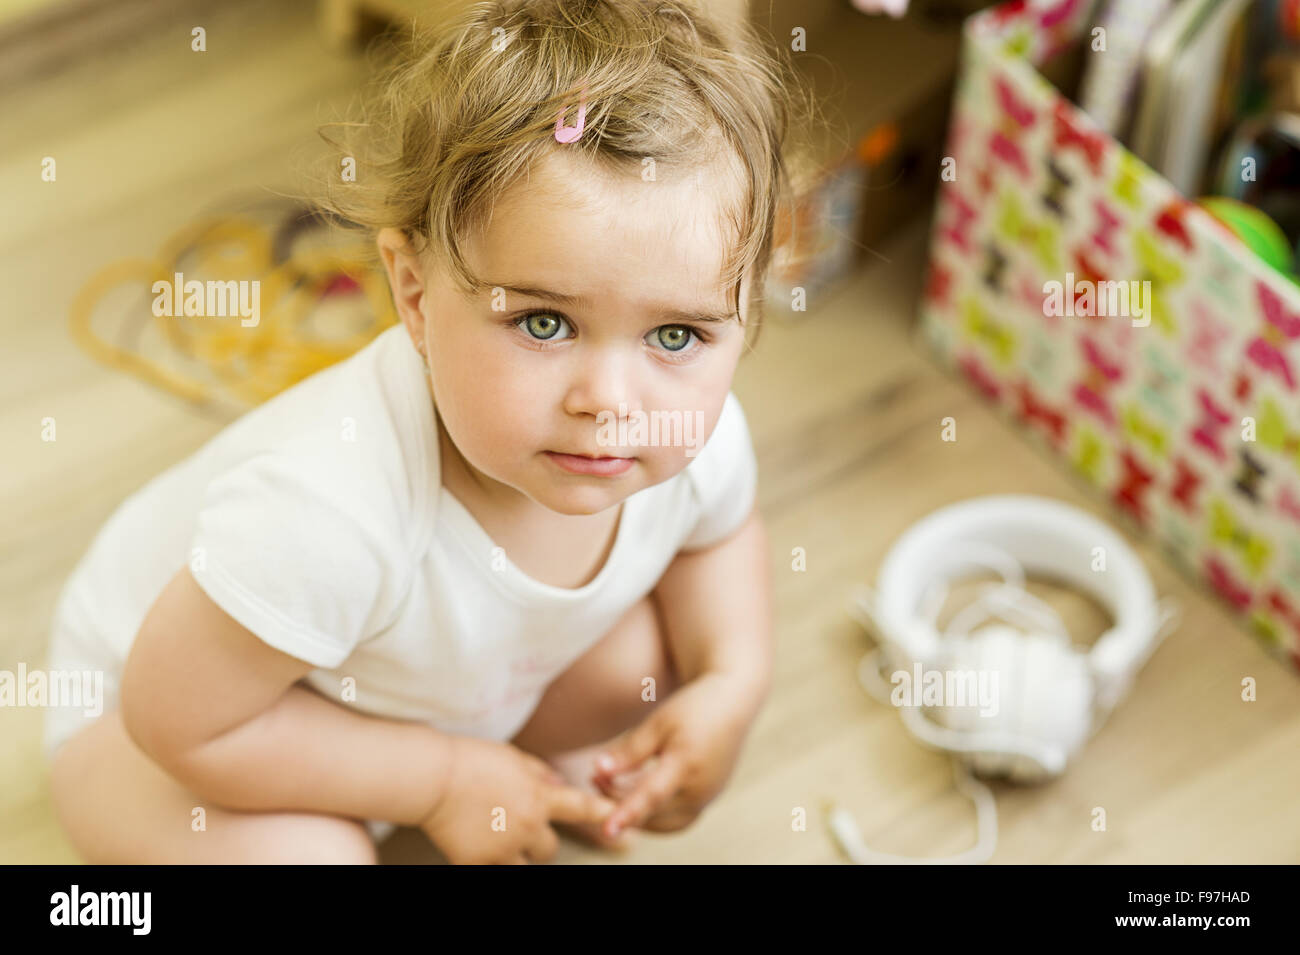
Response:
column 295, row 558
column 724, row 476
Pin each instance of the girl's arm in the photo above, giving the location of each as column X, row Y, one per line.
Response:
column 717, row 617
column 717, row 611
column 218, row 709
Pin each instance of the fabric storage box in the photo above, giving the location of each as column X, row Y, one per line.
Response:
column 1183, row 410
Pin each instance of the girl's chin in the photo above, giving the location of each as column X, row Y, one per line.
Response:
column 574, row 496
column 576, row 505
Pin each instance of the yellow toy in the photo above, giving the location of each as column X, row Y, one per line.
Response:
column 294, row 289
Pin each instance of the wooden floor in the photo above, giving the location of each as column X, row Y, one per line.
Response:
column 845, row 411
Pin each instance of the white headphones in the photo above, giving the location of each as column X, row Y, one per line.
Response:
column 1051, row 695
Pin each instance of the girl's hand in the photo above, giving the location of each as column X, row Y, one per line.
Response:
column 498, row 804
column 694, row 737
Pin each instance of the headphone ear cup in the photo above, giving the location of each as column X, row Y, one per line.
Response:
column 1001, row 662
column 1041, row 692
column 1057, row 700
column 990, row 654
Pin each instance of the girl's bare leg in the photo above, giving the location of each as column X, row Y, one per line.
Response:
column 119, row 807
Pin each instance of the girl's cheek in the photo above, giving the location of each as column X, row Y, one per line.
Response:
column 663, row 463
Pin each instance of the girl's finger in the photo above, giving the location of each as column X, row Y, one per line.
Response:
column 618, row 786
column 630, row 750
column 610, row 786
column 656, row 787
column 570, row 804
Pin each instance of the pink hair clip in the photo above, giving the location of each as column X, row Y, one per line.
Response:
column 569, row 134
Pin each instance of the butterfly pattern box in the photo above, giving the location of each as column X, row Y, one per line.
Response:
column 1117, row 322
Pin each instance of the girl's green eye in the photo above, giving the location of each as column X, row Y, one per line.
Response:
column 542, row 325
column 674, row 337
column 548, row 326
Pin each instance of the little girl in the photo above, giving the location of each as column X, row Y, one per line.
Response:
column 477, row 578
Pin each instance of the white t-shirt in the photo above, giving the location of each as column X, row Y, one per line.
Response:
column 318, row 520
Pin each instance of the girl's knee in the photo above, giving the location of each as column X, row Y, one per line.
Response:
column 638, row 646
column 610, row 688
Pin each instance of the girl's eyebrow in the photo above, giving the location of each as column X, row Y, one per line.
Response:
column 675, row 314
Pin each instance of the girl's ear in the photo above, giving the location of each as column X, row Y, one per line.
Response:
column 406, row 278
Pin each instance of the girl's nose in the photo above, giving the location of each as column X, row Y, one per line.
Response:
column 601, row 383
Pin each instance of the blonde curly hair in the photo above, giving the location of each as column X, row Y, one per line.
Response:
column 469, row 107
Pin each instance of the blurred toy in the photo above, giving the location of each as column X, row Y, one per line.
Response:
column 1260, row 167
column 1253, row 227
column 318, row 302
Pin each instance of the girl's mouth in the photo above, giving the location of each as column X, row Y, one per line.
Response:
column 597, row 467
